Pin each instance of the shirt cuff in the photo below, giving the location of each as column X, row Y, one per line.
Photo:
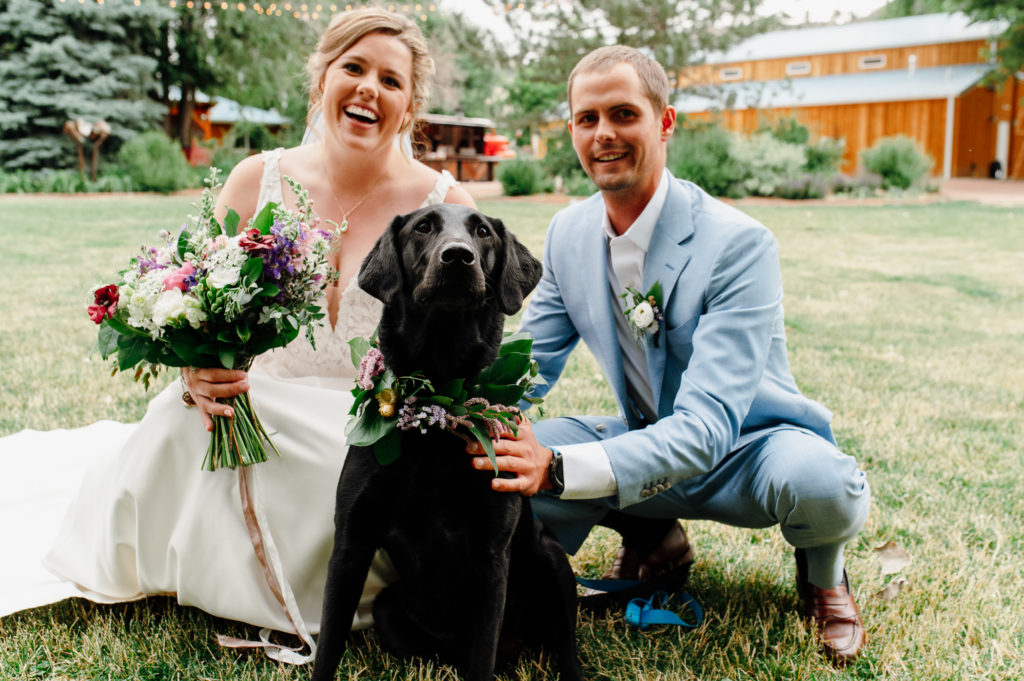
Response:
column 588, row 472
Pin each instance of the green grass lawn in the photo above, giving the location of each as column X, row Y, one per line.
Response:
column 906, row 320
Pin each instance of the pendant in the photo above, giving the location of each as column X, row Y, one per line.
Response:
column 343, row 227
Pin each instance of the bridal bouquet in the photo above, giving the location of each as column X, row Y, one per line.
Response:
column 210, row 297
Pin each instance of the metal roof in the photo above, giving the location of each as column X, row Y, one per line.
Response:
column 925, row 29
column 442, row 119
column 850, row 88
column 229, row 111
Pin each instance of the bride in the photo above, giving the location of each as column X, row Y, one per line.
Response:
column 250, row 544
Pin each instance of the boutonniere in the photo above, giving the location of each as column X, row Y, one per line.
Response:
column 479, row 409
column 643, row 312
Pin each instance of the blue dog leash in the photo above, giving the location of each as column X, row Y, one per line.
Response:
column 644, row 612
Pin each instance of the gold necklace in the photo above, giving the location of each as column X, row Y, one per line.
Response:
column 343, row 227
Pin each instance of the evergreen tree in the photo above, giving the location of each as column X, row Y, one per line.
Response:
column 65, row 61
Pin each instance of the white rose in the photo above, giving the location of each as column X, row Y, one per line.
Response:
column 169, row 305
column 220, row 277
column 642, row 315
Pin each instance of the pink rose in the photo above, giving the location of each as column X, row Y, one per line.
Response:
column 104, row 303
column 176, row 279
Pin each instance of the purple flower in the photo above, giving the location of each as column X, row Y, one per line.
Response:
column 371, row 366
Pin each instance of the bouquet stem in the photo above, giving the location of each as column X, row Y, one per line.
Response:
column 238, row 440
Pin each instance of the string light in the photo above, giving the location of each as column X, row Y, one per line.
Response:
column 301, row 11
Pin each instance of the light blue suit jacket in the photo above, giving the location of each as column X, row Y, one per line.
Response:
column 720, row 375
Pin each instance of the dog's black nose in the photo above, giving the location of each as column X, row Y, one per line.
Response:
column 457, row 253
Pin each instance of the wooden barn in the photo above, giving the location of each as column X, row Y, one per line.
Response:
column 918, row 76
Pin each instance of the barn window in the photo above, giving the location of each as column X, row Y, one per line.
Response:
column 798, row 68
column 731, row 73
column 875, row 61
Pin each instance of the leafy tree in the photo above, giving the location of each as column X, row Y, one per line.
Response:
column 677, row 33
column 1009, row 54
column 1010, row 51
column 472, row 66
column 61, row 61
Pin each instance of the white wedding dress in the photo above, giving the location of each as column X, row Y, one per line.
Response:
column 114, row 512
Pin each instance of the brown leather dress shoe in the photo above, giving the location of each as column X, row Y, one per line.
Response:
column 672, row 553
column 834, row 614
column 665, row 568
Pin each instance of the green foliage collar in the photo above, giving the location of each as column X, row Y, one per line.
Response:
column 481, row 408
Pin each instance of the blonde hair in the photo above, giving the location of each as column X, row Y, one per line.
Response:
column 348, row 28
column 653, row 79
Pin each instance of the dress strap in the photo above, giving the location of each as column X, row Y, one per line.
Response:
column 445, row 181
column 270, row 183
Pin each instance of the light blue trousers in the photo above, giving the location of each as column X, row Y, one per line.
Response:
column 789, row 477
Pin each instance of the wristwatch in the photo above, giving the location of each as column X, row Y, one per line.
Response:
column 556, row 473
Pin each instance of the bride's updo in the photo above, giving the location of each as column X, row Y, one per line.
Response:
column 348, row 28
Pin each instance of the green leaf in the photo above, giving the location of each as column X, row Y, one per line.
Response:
column 485, row 440
column 358, row 347
column 507, row 368
column 231, row 221
column 270, row 289
column 183, row 238
column 130, row 351
column 388, row 448
column 242, row 329
column 252, row 269
column 519, row 343
column 227, row 358
column 655, row 291
column 107, row 340
column 503, row 394
column 126, row 330
column 370, row 426
column 440, row 399
column 265, row 219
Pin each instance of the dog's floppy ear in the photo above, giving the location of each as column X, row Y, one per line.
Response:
column 380, row 275
column 520, row 271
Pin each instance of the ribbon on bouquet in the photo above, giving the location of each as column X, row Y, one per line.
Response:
column 273, row 571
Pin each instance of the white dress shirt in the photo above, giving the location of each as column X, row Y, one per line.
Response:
column 586, row 469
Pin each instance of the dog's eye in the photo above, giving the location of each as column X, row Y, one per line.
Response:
column 423, row 227
column 482, row 231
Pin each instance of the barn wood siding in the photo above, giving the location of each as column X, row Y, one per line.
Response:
column 861, row 125
column 966, row 52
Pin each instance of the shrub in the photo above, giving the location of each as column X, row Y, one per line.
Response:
column 898, row 160
column 863, row 185
column 807, row 186
column 825, row 156
column 154, row 162
column 519, row 178
column 579, row 184
column 62, row 182
column 560, row 159
column 701, row 154
column 788, row 129
column 767, row 162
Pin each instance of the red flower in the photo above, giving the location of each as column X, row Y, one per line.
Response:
column 253, row 241
column 105, row 303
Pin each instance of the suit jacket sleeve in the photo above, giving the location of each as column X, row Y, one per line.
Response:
column 718, row 336
column 547, row 321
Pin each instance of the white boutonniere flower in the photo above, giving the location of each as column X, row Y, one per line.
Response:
column 643, row 312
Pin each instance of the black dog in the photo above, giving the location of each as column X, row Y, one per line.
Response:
column 477, row 571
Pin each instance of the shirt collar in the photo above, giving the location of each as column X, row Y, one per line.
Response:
column 642, row 229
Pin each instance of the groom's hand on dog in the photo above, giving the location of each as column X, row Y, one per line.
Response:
column 521, row 455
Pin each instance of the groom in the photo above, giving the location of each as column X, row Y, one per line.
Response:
column 711, row 425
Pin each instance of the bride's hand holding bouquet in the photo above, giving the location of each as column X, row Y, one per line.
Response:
column 210, row 300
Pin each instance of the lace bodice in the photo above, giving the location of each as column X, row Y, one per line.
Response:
column 358, row 311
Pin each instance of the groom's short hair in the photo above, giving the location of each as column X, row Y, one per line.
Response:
column 652, row 75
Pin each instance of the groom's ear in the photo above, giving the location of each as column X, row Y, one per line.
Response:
column 380, row 275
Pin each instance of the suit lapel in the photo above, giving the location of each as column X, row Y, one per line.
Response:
column 666, row 260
